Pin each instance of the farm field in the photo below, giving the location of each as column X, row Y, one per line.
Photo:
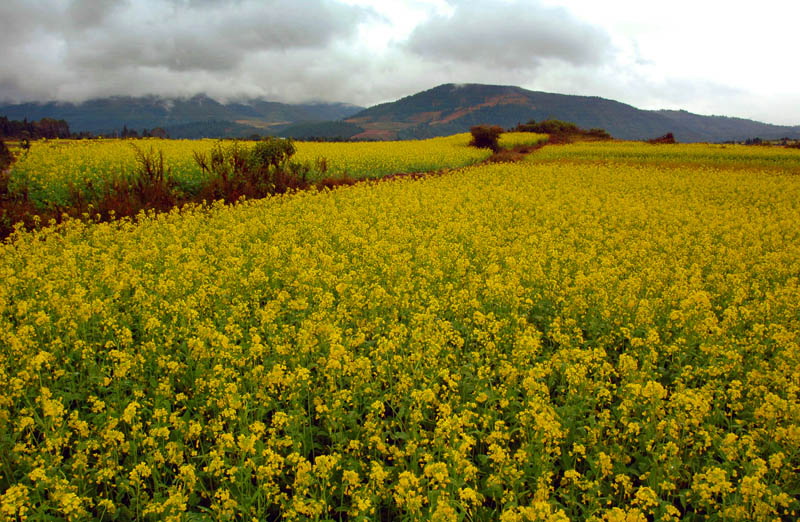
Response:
column 53, row 169
column 703, row 155
column 599, row 332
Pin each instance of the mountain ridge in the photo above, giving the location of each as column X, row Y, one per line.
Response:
column 103, row 115
column 445, row 109
column 450, row 108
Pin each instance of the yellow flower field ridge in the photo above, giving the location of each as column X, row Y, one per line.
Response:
column 52, row 169
column 705, row 155
column 532, row 341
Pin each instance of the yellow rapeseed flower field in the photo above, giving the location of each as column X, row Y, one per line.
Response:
column 52, row 170
column 546, row 340
column 700, row 154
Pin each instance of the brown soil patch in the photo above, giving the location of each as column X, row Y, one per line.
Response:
column 259, row 124
column 506, row 99
column 374, row 134
column 455, row 115
column 503, row 99
column 426, row 116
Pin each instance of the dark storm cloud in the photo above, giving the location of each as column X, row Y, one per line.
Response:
column 509, row 35
column 84, row 14
column 325, row 50
column 185, row 36
column 57, row 49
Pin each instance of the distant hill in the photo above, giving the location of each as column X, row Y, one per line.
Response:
column 443, row 110
column 326, row 130
column 737, row 128
column 453, row 108
column 211, row 129
column 179, row 114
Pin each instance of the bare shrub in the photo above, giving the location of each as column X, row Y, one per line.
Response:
column 667, row 138
column 486, row 137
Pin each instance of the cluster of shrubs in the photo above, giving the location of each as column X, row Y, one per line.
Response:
column 48, row 128
column 783, row 142
column 232, row 170
column 562, row 130
column 487, row 136
column 666, row 139
column 5, row 162
column 5, row 156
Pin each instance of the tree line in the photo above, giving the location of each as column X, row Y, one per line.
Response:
column 50, row 128
column 45, row 128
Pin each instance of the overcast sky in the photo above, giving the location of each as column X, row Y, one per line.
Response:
column 711, row 57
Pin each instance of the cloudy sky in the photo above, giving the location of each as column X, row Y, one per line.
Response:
column 724, row 57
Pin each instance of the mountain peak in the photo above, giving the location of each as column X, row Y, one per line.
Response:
column 451, row 108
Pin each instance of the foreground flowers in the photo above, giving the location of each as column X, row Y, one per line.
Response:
column 538, row 341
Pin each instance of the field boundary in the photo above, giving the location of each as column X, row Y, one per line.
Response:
column 150, row 193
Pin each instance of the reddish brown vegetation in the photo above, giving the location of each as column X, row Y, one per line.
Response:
column 233, row 173
column 667, row 138
column 374, row 134
column 513, row 154
column 232, row 176
column 425, row 117
column 341, row 181
column 486, row 137
column 563, row 131
column 5, row 156
column 502, row 99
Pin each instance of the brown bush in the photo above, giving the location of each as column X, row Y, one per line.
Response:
column 235, row 172
column 340, row 181
column 486, row 137
column 5, row 156
column 667, row 138
column 232, row 173
column 563, row 131
column 506, row 156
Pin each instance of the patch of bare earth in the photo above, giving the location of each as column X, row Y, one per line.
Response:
column 502, row 99
column 375, row 134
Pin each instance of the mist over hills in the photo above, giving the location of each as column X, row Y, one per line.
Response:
column 443, row 110
column 193, row 117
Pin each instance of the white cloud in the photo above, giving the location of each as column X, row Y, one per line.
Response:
column 718, row 57
column 509, row 35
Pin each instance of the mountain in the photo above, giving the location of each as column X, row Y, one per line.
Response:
column 211, row 129
column 104, row 115
column 323, row 130
column 738, row 128
column 446, row 109
column 452, row 108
